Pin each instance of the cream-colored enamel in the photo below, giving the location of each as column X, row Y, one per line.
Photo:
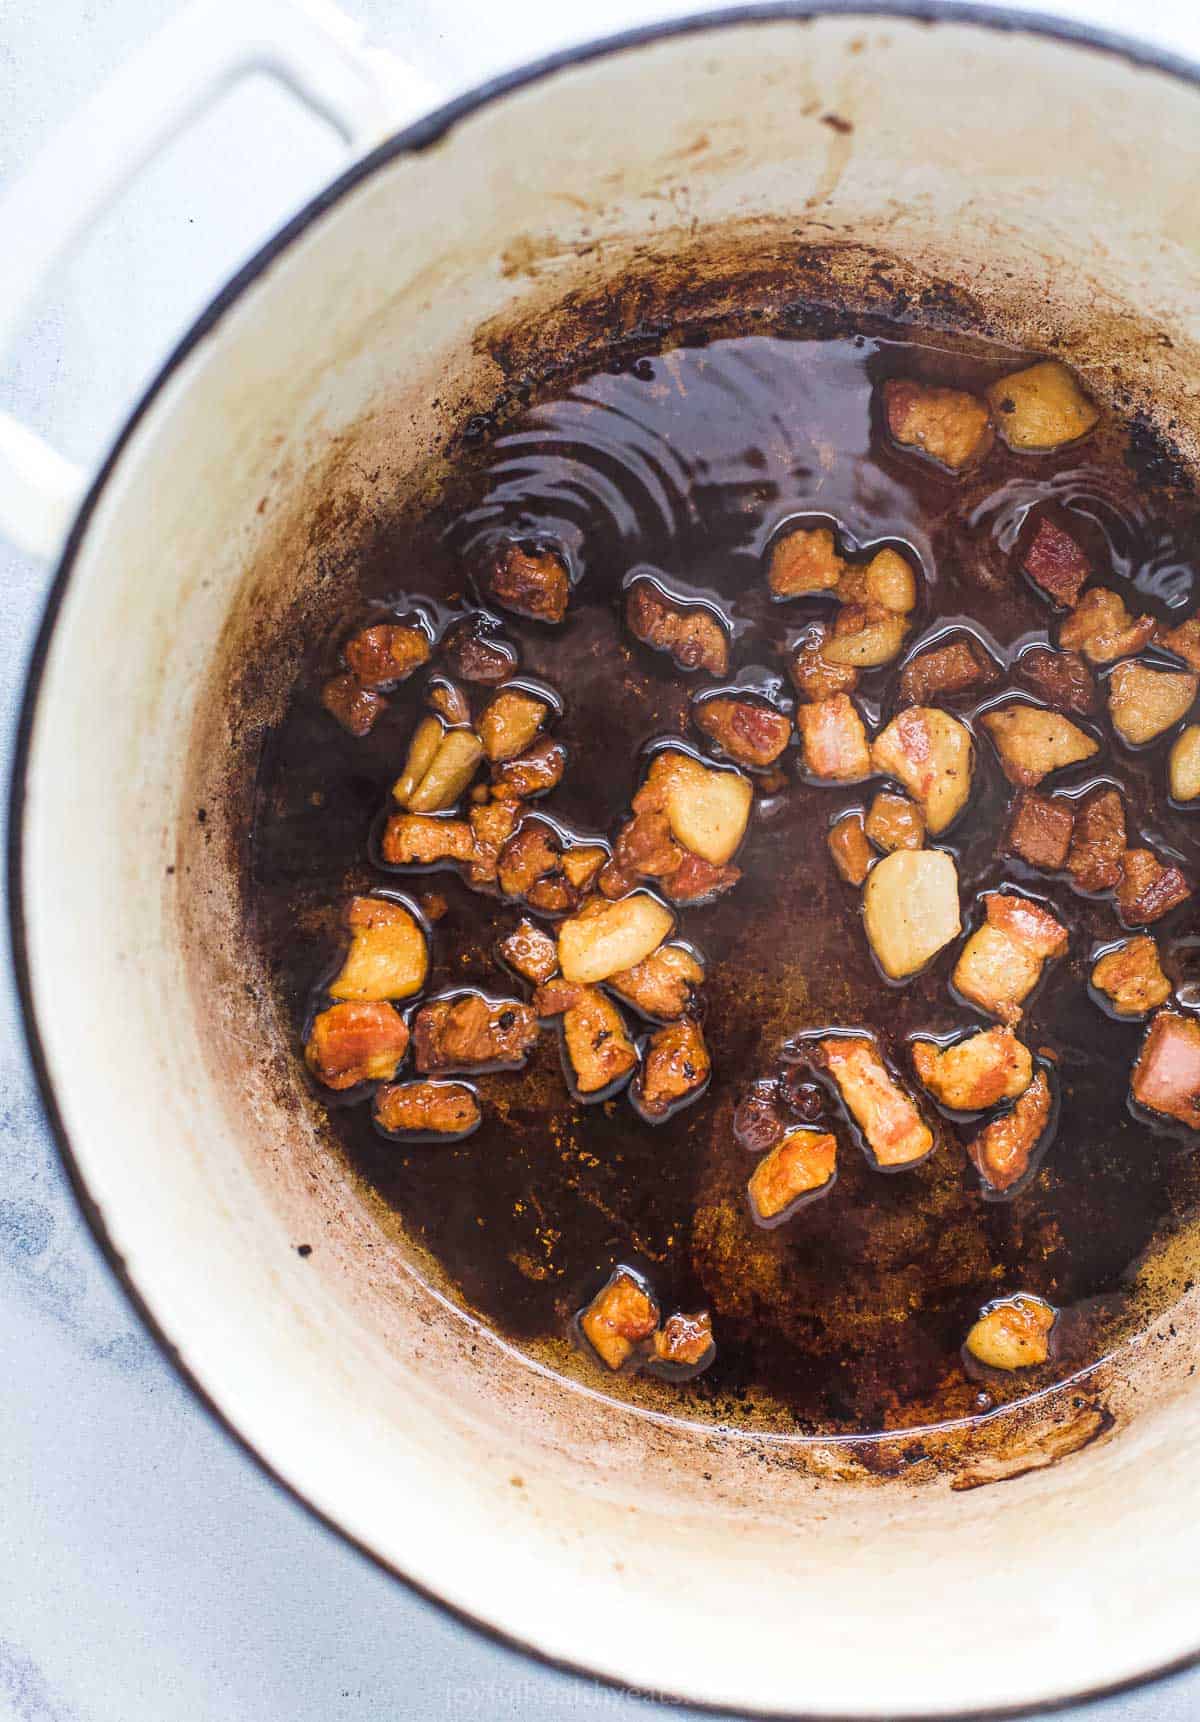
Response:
column 599, row 1533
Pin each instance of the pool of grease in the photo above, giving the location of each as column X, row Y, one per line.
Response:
column 849, row 1317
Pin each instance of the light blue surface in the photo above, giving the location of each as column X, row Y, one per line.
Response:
column 148, row 1571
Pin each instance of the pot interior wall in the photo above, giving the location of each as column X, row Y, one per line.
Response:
column 982, row 181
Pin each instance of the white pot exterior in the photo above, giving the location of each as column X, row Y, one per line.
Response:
column 746, row 1572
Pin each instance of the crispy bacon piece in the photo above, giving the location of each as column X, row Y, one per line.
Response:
column 1098, row 842
column 1184, row 641
column 663, row 985
column 1041, row 407
column 1131, row 977
column 1012, row 1333
column 532, row 583
column 1003, row 1149
column 698, row 881
column 676, row 1069
column 447, row 1109
column 1056, row 564
column 1002, row 961
column 949, row 426
column 530, row 951
column 491, row 827
column 473, row 651
column 1031, row 743
column 834, row 740
column 355, row 1042
column 472, row 1033
column 1062, row 679
column 386, row 654
column 893, row 822
column 803, row 1163
column 619, row 1318
column 690, row 634
column 747, row 730
column 533, row 773
column 356, row 708
column 423, row 840
column 598, row 1047
column 962, row 667
column 975, row 1073
column 891, row 1124
column 1102, row 629
column 849, row 848
column 1040, row 829
column 814, row 677
column 1166, row 1077
column 685, row 1341
column 804, row 561
column 1148, row 890
column 933, row 756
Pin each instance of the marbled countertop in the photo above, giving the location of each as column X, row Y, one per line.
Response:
column 147, row 1569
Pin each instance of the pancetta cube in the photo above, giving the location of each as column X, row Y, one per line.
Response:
column 388, row 956
column 531, row 582
column 531, row 952
column 675, row 1069
column 802, row 1164
column 973, row 1074
column 684, row 1341
column 355, row 1042
column 1056, row 564
column 1002, row 961
column 748, row 730
column 949, row 426
column 1032, row 742
column 894, row 822
column 814, row 676
column 470, row 1033
column 690, row 634
column 620, row 1318
column 891, row 1125
column 427, row 1109
column 1148, row 890
column 1004, row 1149
column 387, row 653
column 663, row 985
column 1102, row 629
column 356, row 708
column 804, row 561
column 849, row 848
column 944, row 672
column 1166, row 1077
column 833, row 739
column 1131, row 977
column 932, row 755
column 1012, row 1333
column 605, row 937
column 1098, row 842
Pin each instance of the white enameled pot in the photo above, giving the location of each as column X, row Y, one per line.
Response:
column 994, row 173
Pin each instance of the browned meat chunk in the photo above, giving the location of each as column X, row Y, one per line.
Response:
column 849, row 848
column 696, row 881
column 689, row 633
column 1002, row 961
column 663, row 985
column 1098, row 843
column 893, row 822
column 1062, row 679
column 645, row 848
column 804, row 561
column 532, row 583
column 1056, row 564
column 975, row 1073
column 423, row 840
column 530, row 866
column 1184, row 641
column 388, row 956
column 620, row 1317
column 531, row 952
column 962, row 667
column 1012, row 1333
column 747, row 730
column 581, row 862
column 474, row 652
column 1166, row 1077
column 1039, row 830
column 535, row 772
column 814, row 677
column 676, row 1069
column 356, row 1042
column 387, row 653
column 803, row 1163
column 834, row 740
column 491, row 827
column 1144, row 703
column 948, row 425
column 447, row 1109
column 471, row 1032
column 1003, row 1149
column 1148, row 890
column 685, row 1341
column 1041, row 407
column 933, row 756
column 893, row 1128
column 1131, row 977
column 1102, row 629
column 598, row 1048
column 510, row 721
column 356, row 708
column 1032, row 743
column 449, row 701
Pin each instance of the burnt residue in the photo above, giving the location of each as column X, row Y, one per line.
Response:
column 685, row 453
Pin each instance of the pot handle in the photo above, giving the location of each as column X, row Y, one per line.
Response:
column 310, row 46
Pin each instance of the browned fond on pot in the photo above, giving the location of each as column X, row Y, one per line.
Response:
column 302, row 585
